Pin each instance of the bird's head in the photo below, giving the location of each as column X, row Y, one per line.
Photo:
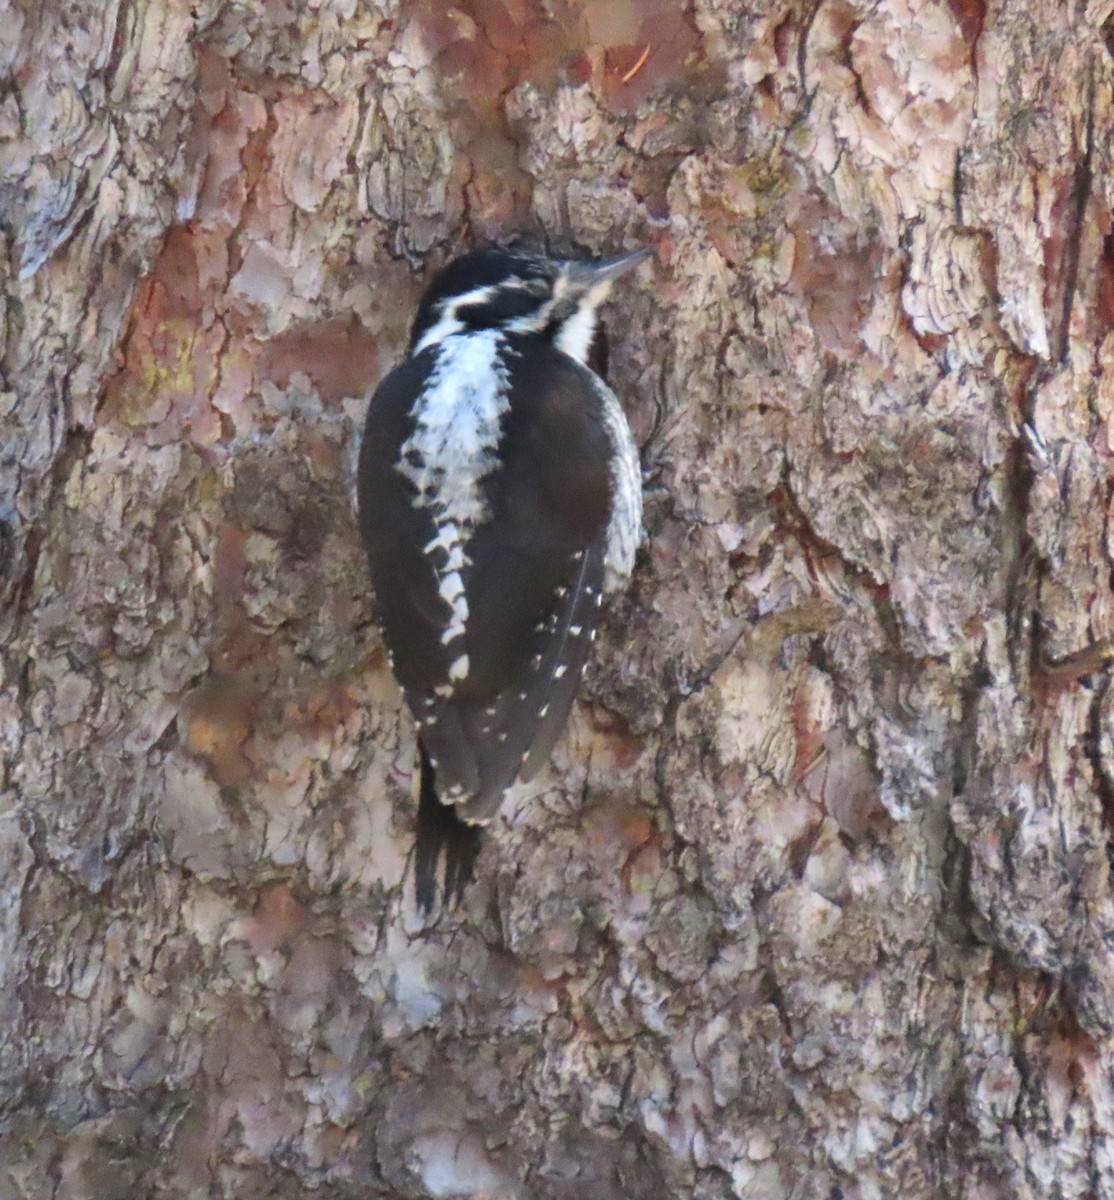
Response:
column 518, row 292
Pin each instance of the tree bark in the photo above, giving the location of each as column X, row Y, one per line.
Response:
column 816, row 899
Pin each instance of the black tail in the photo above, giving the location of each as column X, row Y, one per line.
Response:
column 440, row 828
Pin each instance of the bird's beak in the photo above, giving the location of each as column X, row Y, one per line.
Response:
column 587, row 275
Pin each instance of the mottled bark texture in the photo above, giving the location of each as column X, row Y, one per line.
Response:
column 816, row 900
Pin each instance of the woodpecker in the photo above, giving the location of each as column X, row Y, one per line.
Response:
column 500, row 497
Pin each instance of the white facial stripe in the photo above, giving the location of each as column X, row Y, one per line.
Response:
column 476, row 296
column 536, row 322
column 624, row 529
column 575, row 335
column 449, row 321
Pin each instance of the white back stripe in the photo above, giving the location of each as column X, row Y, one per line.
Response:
column 453, row 447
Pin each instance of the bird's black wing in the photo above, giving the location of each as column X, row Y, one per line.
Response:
column 513, row 734
column 532, row 582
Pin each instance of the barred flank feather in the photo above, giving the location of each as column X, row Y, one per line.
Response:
column 479, row 747
column 563, row 658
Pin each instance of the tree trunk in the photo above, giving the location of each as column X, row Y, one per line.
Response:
column 816, row 899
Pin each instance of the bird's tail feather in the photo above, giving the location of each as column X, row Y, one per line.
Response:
column 440, row 829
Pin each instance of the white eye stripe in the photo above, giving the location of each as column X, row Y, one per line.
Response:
column 448, row 321
column 478, row 295
column 536, row 287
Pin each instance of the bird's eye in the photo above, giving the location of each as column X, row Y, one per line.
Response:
column 539, row 288
column 502, row 306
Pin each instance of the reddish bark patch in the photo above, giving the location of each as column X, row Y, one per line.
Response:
column 666, row 45
column 321, row 710
column 970, row 16
column 340, row 357
column 837, row 284
column 216, row 723
column 650, row 181
column 236, row 641
column 483, row 50
column 278, row 918
column 172, row 289
column 808, row 736
column 324, row 454
column 786, row 36
column 486, row 47
column 1104, row 287
column 625, row 836
column 623, row 745
column 171, row 354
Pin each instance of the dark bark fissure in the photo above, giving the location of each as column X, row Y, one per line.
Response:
column 1079, row 202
